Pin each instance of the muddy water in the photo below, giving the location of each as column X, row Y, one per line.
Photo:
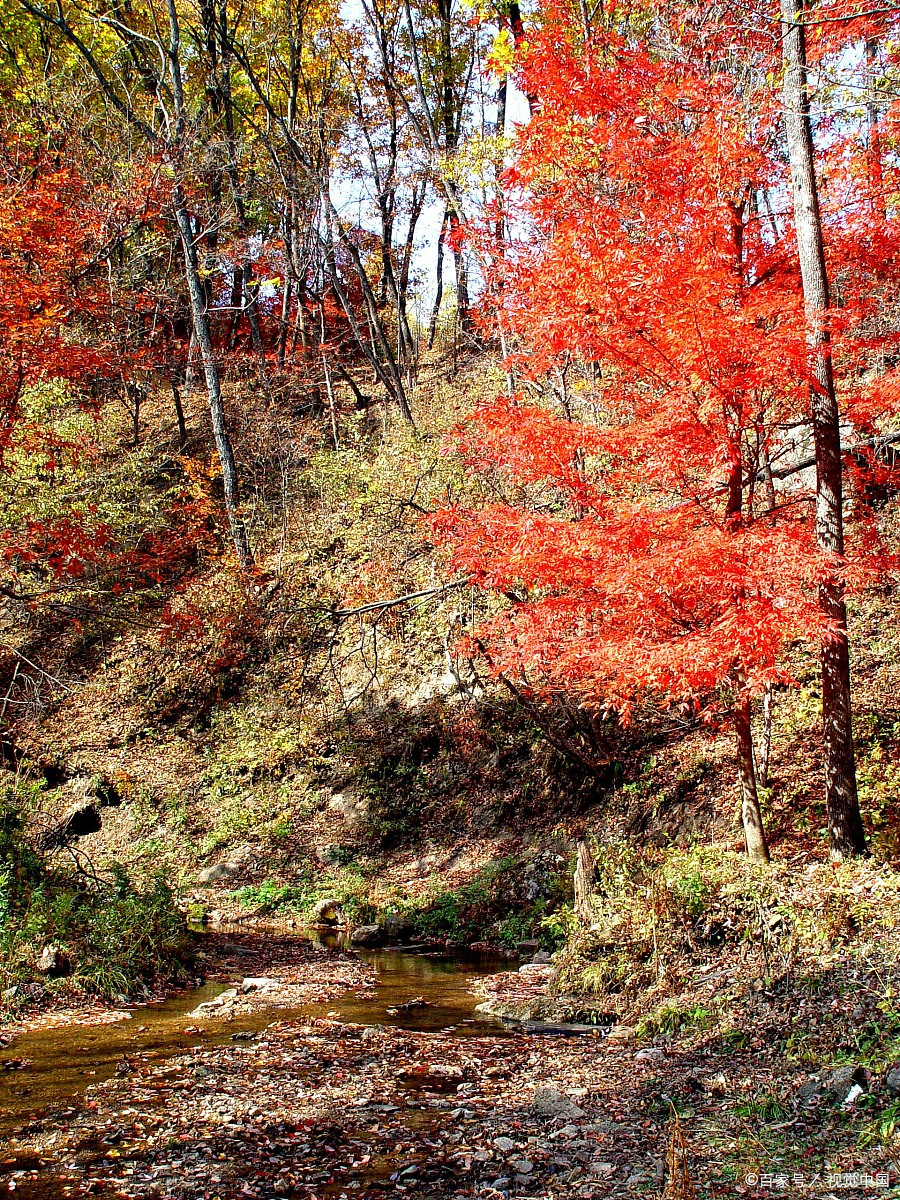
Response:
column 61, row 1063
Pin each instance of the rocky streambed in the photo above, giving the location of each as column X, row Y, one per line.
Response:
column 308, row 1071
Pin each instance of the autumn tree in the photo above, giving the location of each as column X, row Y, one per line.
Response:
column 69, row 546
column 642, row 540
column 159, row 109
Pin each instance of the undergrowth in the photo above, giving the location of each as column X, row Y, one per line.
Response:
column 691, row 942
column 100, row 936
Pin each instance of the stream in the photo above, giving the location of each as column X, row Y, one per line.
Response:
column 61, row 1063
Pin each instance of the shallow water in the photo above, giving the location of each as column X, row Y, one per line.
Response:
column 61, row 1063
column 442, row 979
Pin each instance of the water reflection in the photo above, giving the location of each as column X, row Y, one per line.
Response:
column 61, row 1063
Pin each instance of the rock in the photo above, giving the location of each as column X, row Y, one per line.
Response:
column 569, row 1131
column 499, row 1184
column 347, row 804
column 557, row 1028
column 367, row 935
column 210, row 1008
column 601, row 1168
column 260, row 984
column 542, row 957
column 504, row 1144
column 233, row 864
column 522, row 1166
column 233, row 949
column 80, row 820
column 397, row 928
column 535, row 970
column 337, row 803
column 327, row 912
column 52, row 961
column 716, row 1085
column 810, row 1091
column 529, row 947
column 219, row 870
column 892, row 1083
column 620, row 1034
column 548, row 1102
column 845, row 1080
column 651, row 1054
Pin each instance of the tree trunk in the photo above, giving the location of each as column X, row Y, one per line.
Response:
column 751, row 816
column 415, row 211
column 236, row 304
column 439, row 282
column 584, row 885
column 190, row 374
column 251, row 297
column 844, row 820
column 213, row 388
column 283, row 326
column 876, row 173
column 765, row 739
column 179, row 413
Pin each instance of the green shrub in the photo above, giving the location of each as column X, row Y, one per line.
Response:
column 469, row 913
column 116, row 934
column 671, row 1018
column 344, row 885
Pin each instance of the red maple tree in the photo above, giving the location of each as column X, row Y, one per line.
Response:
column 61, row 321
column 651, row 519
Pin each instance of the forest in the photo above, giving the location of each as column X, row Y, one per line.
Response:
column 449, row 580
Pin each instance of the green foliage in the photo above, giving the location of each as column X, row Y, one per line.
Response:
column 20, row 866
column 128, row 935
column 878, row 783
column 877, row 1041
column 115, row 934
column 558, row 927
column 344, row 885
column 466, row 913
column 514, row 929
column 671, row 1018
column 883, row 1129
column 766, row 1108
column 250, row 775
